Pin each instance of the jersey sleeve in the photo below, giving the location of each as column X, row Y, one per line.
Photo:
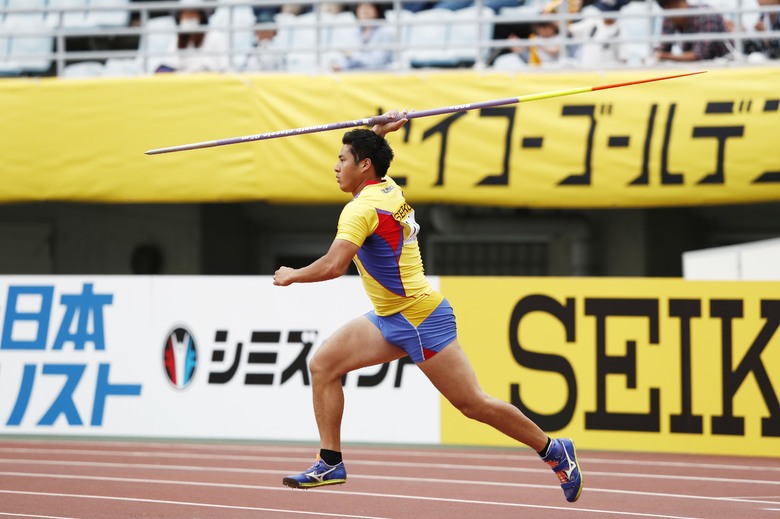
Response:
column 356, row 223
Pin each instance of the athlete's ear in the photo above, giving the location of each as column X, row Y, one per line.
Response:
column 366, row 163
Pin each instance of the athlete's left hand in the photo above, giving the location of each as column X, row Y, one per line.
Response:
column 283, row 276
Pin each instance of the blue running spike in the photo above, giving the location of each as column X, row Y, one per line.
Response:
column 562, row 457
column 318, row 475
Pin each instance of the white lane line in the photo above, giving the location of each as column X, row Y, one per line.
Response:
column 452, row 466
column 410, row 479
column 364, row 494
column 434, row 451
column 9, row 514
column 185, row 503
column 684, row 464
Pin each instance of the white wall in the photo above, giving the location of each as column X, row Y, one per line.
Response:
column 750, row 261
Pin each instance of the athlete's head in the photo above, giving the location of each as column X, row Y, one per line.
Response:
column 365, row 144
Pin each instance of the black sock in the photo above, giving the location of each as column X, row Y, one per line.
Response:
column 330, row 457
column 541, row 453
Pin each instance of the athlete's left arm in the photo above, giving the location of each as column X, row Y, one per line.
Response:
column 332, row 265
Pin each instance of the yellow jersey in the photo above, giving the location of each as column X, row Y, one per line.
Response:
column 381, row 223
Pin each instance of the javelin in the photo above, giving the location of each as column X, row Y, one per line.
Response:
column 381, row 119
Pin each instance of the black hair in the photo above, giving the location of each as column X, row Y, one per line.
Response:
column 366, row 144
column 184, row 38
column 203, row 15
column 381, row 9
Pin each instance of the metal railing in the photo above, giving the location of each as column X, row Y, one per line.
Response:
column 48, row 26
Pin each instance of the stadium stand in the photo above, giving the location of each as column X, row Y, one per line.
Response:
column 127, row 37
column 26, row 42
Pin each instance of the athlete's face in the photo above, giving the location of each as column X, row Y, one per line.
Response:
column 350, row 174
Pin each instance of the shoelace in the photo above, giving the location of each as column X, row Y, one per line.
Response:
column 561, row 473
column 312, row 468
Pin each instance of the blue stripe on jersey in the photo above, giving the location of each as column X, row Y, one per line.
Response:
column 381, row 253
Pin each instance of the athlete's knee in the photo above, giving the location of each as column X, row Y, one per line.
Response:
column 319, row 365
column 323, row 366
column 474, row 406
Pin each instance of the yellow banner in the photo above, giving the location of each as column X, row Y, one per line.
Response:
column 704, row 139
column 625, row 364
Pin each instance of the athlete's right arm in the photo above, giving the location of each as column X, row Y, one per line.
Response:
column 332, row 265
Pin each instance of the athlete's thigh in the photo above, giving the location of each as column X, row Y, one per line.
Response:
column 452, row 373
column 357, row 344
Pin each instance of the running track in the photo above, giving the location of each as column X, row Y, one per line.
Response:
column 81, row 479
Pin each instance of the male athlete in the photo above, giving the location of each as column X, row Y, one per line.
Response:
column 378, row 232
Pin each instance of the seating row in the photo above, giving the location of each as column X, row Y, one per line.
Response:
column 435, row 37
column 432, row 37
column 28, row 27
column 307, row 42
column 67, row 13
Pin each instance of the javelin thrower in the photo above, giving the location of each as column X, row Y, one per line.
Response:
column 377, row 231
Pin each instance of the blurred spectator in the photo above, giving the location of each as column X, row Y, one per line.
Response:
column 195, row 49
column 543, row 52
column 331, row 7
column 554, row 6
column 415, row 6
column 264, row 56
column 599, row 32
column 135, row 16
column 573, row 7
column 372, row 41
column 496, row 5
column 765, row 47
column 540, row 51
column 265, row 12
column 512, row 60
column 295, row 9
column 691, row 24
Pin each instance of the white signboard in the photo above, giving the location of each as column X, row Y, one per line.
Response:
column 191, row 357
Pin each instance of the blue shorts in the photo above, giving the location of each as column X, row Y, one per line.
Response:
column 421, row 342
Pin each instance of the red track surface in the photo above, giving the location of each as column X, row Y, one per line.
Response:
column 121, row 479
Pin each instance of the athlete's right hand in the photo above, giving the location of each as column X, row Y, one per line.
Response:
column 397, row 118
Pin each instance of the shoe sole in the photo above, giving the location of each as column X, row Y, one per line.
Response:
column 579, row 471
column 292, row 483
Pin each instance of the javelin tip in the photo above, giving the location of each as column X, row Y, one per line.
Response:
column 649, row 80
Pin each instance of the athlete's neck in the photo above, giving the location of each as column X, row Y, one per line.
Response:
column 368, row 182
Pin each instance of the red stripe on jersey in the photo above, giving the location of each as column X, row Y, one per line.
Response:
column 390, row 230
column 427, row 354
